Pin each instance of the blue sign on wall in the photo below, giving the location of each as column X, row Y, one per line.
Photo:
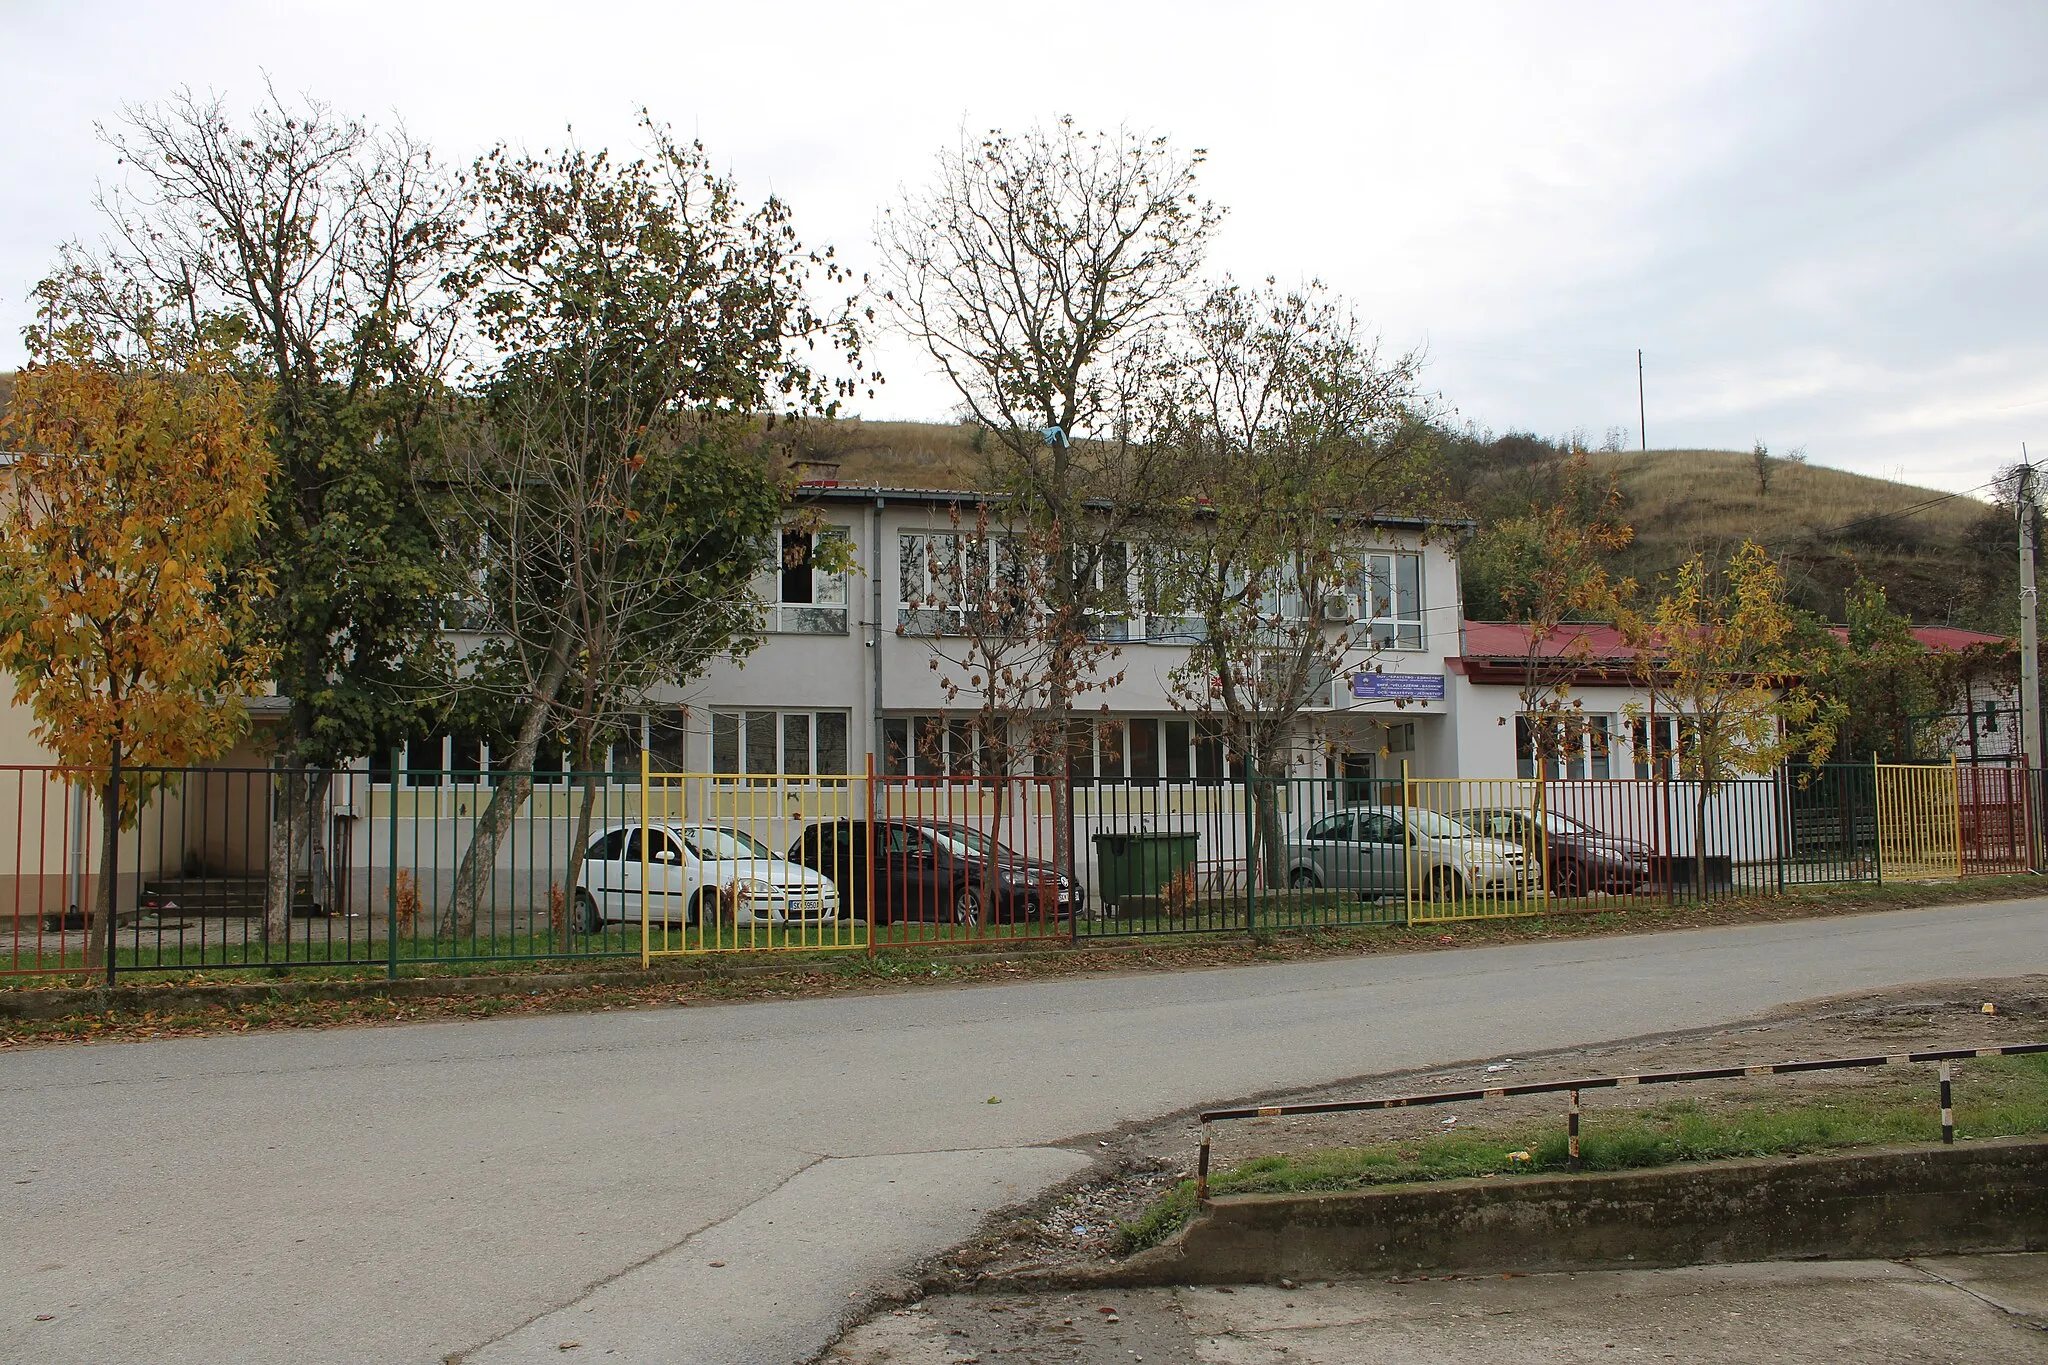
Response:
column 1397, row 686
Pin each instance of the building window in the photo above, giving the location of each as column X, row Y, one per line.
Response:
column 1160, row 571
column 798, row 596
column 765, row 744
column 1390, row 605
column 1659, row 743
column 1145, row 749
column 935, row 746
column 948, row 582
column 1579, row 746
column 937, row 573
column 1107, row 592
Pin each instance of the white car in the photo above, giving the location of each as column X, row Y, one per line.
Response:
column 697, row 874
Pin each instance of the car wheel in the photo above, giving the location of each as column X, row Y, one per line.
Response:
column 1571, row 879
column 693, row 913
column 1444, row 886
column 1301, row 879
column 588, row 920
column 967, row 907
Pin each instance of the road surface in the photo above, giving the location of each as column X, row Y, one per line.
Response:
column 727, row 1184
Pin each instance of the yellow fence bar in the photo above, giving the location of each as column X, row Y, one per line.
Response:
column 741, row 863
column 1919, row 822
column 1474, row 847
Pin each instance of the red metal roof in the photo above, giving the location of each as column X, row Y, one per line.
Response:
column 1510, row 640
column 1602, row 643
column 1593, row 640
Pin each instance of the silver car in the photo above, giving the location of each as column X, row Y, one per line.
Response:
column 1375, row 850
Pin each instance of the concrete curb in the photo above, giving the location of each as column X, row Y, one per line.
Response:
column 1926, row 1200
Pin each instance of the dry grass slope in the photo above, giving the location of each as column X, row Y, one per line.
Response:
column 896, row 454
column 1943, row 564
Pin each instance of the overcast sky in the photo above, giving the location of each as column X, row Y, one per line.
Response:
column 1824, row 224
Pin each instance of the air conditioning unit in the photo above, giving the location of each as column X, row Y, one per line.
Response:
column 1341, row 607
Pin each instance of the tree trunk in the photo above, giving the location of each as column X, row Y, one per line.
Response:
column 99, row 925
column 577, row 845
column 480, row 859
column 290, row 818
column 1269, row 852
column 1699, row 843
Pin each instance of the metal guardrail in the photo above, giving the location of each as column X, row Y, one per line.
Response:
column 1717, row 1073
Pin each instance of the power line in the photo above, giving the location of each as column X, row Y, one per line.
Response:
column 1905, row 511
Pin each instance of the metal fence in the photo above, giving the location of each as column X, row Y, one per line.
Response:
column 254, row 868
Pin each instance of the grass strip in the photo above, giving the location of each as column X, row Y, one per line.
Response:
column 1997, row 1097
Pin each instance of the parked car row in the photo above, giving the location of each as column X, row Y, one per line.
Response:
column 924, row 870
column 949, row 873
column 1376, row 850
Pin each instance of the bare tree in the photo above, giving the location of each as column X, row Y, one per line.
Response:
column 1294, row 440
column 610, row 471
column 314, row 246
column 1045, row 273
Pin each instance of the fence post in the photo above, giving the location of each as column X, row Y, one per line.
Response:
column 2029, row 808
column 1407, row 844
column 644, row 784
column 1665, row 859
column 1877, row 819
column 1955, row 789
column 1250, row 849
column 1781, row 815
column 391, row 905
column 113, row 836
column 868, row 860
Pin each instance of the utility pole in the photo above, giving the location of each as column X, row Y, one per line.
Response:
column 1642, row 411
column 2030, row 659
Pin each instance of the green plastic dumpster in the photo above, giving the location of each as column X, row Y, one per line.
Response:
column 1139, row 863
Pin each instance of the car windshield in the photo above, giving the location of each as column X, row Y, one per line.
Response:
column 1505, row 822
column 1437, row 826
column 962, row 842
column 724, row 845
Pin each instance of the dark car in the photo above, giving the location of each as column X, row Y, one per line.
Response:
column 933, row 870
column 1578, row 858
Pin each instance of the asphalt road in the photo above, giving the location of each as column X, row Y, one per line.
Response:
column 726, row 1184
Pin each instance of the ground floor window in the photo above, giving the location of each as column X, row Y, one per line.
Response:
column 465, row 758
column 942, row 746
column 779, row 743
column 1660, row 744
column 1147, row 749
column 1574, row 745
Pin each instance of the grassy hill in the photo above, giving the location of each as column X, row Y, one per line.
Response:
column 1942, row 561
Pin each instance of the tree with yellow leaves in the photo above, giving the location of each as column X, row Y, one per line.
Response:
column 1718, row 652
column 135, row 484
column 1551, row 567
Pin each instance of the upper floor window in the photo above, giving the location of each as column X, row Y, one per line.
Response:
column 800, row 594
column 1390, row 608
column 950, row 581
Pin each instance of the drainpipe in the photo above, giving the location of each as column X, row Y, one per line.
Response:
column 875, row 623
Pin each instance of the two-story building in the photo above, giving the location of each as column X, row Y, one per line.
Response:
column 845, row 665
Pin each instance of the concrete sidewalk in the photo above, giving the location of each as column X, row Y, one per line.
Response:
column 1985, row 1310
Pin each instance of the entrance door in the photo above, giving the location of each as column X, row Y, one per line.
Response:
column 1356, row 772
